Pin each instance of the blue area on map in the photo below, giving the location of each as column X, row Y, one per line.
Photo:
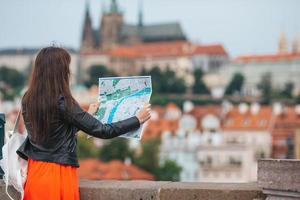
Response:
column 144, row 91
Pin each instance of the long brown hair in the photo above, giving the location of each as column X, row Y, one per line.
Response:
column 49, row 80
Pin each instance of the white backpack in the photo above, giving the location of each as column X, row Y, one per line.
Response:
column 14, row 167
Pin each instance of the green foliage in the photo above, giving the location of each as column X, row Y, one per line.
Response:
column 235, row 85
column 118, row 149
column 115, row 149
column 149, row 158
column 149, row 161
column 97, row 71
column 287, row 92
column 11, row 82
column 199, row 86
column 11, row 77
column 7, row 94
column 265, row 86
column 165, row 81
column 85, row 147
column 169, row 171
column 161, row 100
column 297, row 99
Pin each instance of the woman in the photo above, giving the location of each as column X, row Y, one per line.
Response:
column 52, row 118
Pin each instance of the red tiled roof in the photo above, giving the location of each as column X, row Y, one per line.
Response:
column 155, row 128
column 113, row 170
column 285, row 126
column 161, row 49
column 200, row 111
column 235, row 120
column 267, row 57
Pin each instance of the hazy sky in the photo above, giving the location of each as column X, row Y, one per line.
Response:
column 243, row 26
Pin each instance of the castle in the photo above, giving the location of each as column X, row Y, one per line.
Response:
column 114, row 31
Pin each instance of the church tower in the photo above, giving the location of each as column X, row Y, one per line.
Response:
column 282, row 44
column 110, row 27
column 140, row 15
column 296, row 45
column 87, row 40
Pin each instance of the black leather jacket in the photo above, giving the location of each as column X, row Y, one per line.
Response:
column 60, row 145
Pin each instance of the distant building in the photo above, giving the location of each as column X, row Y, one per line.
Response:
column 181, row 57
column 127, row 49
column 114, row 170
column 226, row 163
column 23, row 60
column 283, row 67
column 285, row 125
column 181, row 147
column 216, row 143
column 114, row 31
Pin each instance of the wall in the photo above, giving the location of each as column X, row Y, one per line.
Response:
column 152, row 190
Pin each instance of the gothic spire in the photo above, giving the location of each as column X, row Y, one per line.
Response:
column 140, row 14
column 114, row 9
column 87, row 9
column 282, row 43
column 87, row 34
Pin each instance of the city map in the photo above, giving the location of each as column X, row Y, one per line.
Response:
column 121, row 98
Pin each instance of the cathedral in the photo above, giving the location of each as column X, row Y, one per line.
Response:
column 114, row 31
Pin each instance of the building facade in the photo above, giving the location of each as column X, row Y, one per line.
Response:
column 282, row 67
column 114, row 31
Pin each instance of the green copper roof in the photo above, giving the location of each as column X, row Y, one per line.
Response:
column 114, row 9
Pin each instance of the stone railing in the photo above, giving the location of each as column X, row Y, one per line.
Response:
column 152, row 190
column 277, row 180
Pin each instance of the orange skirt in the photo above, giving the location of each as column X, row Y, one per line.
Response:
column 51, row 181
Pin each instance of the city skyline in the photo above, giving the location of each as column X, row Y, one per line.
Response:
column 248, row 27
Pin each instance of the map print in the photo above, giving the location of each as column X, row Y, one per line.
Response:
column 121, row 98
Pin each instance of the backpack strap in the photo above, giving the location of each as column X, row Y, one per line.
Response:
column 17, row 122
column 12, row 132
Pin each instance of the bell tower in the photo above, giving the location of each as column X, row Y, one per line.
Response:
column 282, row 43
column 110, row 26
column 87, row 40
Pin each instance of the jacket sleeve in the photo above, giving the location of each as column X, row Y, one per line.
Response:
column 90, row 125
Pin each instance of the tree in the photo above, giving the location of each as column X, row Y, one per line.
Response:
column 199, row 86
column 115, row 149
column 297, row 99
column 235, row 85
column 287, row 92
column 12, row 77
column 169, row 171
column 97, row 71
column 149, row 158
column 156, row 76
column 265, row 86
column 85, row 147
column 165, row 81
column 149, row 161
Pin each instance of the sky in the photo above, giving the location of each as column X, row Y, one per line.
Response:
column 242, row 26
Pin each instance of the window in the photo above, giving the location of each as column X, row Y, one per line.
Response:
column 229, row 122
column 262, row 122
column 246, row 122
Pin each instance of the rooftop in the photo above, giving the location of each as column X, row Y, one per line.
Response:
column 162, row 49
column 114, row 170
column 268, row 57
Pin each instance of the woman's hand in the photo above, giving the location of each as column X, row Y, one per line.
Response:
column 93, row 108
column 144, row 113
